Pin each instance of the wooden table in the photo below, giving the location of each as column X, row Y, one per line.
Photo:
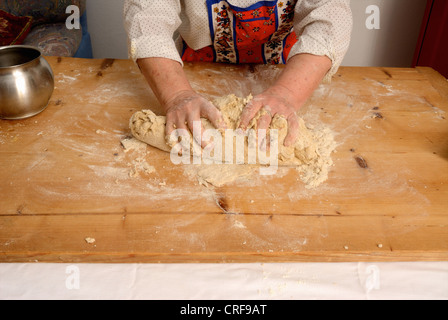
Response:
column 67, row 195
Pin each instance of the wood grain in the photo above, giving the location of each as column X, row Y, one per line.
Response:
column 65, row 176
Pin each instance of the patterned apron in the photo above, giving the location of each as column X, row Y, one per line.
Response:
column 261, row 33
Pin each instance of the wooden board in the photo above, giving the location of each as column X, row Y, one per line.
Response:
column 65, row 176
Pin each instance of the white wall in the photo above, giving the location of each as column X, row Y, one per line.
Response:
column 392, row 45
column 105, row 23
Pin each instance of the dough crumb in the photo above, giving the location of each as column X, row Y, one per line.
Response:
column 239, row 225
column 148, row 168
column 133, row 173
column 90, row 240
column 141, row 167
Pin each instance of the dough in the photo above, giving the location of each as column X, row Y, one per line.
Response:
column 130, row 144
column 310, row 155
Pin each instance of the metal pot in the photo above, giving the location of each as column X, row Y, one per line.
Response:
column 26, row 82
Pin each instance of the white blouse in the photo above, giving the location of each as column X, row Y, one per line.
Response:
column 155, row 27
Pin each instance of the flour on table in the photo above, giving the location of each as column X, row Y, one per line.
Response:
column 139, row 165
column 310, row 155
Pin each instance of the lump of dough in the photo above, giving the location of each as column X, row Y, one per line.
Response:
column 311, row 153
column 149, row 128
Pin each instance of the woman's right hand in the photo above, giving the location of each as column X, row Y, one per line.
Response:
column 186, row 108
column 183, row 106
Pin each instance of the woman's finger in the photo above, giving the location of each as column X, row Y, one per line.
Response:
column 197, row 129
column 293, row 130
column 249, row 113
column 263, row 127
column 215, row 117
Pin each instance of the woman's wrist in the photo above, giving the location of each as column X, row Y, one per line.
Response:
column 290, row 95
column 166, row 78
column 180, row 97
column 300, row 78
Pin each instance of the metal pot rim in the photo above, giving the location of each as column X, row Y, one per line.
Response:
column 21, row 47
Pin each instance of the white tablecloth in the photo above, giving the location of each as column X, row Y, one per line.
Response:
column 257, row 281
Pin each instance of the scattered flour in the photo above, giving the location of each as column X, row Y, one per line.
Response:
column 138, row 165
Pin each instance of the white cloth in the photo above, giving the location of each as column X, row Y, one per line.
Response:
column 249, row 281
column 152, row 26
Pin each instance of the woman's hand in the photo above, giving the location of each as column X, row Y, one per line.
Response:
column 183, row 106
column 186, row 108
column 297, row 82
column 277, row 100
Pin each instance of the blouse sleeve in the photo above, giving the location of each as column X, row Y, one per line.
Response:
column 324, row 28
column 150, row 26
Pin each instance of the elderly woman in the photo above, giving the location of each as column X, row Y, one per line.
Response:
column 310, row 36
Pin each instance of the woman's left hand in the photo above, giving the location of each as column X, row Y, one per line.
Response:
column 277, row 100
